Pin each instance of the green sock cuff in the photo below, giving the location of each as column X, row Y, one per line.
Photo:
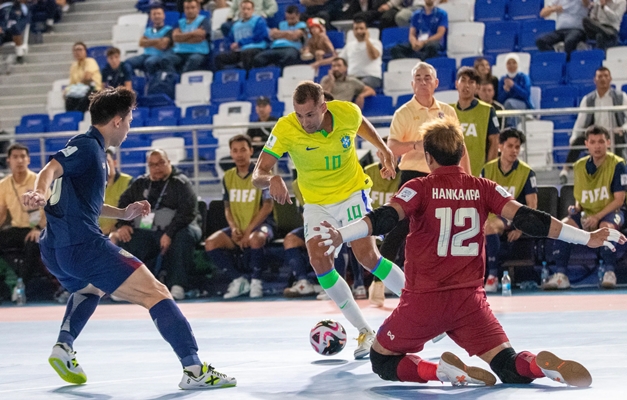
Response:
column 382, row 270
column 327, row 280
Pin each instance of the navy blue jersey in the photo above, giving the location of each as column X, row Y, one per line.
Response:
column 77, row 196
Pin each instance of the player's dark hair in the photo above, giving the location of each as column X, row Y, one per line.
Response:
column 328, row 96
column 444, row 141
column 342, row 60
column 80, row 44
column 359, row 20
column 112, row 51
column 485, row 82
column 245, row 1
column 241, row 138
column 469, row 72
column 308, row 90
column 511, row 133
column 292, row 9
column 193, row 1
column 17, row 146
column 603, row 69
column 597, row 130
column 109, row 103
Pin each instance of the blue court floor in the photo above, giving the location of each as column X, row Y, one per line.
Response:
column 264, row 344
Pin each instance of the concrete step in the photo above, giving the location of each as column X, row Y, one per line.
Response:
column 31, row 67
column 48, row 57
column 34, row 77
column 23, row 99
column 36, row 88
column 86, row 37
column 103, row 6
column 104, row 15
column 65, row 47
column 16, row 112
column 8, row 124
column 82, row 26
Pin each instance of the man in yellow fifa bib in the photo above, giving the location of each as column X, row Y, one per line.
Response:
column 520, row 181
column 320, row 138
column 600, row 180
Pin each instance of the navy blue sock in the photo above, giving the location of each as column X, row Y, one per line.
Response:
column 561, row 254
column 175, row 329
column 79, row 309
column 296, row 262
column 358, row 270
column 224, row 260
column 492, row 249
column 340, row 263
column 609, row 258
column 256, row 262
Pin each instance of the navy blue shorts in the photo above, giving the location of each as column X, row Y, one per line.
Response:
column 99, row 262
column 264, row 228
column 617, row 218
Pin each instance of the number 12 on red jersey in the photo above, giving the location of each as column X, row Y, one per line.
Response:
column 445, row 214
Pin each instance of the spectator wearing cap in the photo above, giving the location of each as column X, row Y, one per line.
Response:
column 263, row 8
column 514, row 88
column 427, row 34
column 345, row 87
column 117, row 73
column 248, row 37
column 191, row 44
column 318, row 47
column 363, row 55
column 157, row 44
column 287, row 41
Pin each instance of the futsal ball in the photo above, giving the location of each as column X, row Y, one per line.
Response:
column 328, row 337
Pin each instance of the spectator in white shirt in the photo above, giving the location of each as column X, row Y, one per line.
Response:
column 603, row 22
column 363, row 55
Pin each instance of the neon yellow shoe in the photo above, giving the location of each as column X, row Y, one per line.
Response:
column 63, row 360
column 209, row 379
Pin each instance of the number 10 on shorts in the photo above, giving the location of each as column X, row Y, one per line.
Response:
column 353, row 212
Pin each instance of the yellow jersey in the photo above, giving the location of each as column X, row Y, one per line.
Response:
column 327, row 163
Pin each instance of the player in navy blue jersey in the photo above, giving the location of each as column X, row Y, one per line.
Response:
column 86, row 263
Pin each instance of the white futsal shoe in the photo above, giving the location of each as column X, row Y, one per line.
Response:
column 452, row 369
column 63, row 360
column 209, row 379
column 237, row 287
column 564, row 371
column 364, row 343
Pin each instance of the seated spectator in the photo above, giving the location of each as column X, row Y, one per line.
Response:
column 377, row 13
column 157, row 44
column 180, row 4
column 520, row 181
column 345, row 87
column 486, row 94
column 117, row 73
column 191, row 39
column 85, row 78
column 427, row 34
column 599, row 197
column 23, row 233
column 568, row 25
column 263, row 8
column 248, row 211
column 248, row 37
column 117, row 183
column 327, row 10
column 287, row 41
column 603, row 22
column 363, row 56
column 484, row 69
column 44, row 14
column 13, row 20
column 318, row 46
column 165, row 239
column 614, row 122
column 514, row 88
column 406, row 9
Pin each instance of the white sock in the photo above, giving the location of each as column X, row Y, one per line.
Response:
column 341, row 294
column 19, row 51
column 390, row 274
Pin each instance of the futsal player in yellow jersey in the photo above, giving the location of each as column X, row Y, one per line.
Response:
column 320, row 138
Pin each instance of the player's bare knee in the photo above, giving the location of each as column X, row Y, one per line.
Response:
column 368, row 259
column 292, row 241
column 494, row 227
column 385, row 365
column 257, row 240
column 156, row 293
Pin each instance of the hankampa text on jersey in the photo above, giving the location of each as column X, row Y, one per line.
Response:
column 454, row 194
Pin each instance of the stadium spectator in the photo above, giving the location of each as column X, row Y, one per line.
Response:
column 327, row 10
column 478, row 121
column 14, row 16
column 407, row 9
column 379, row 13
column 166, row 238
column 615, row 122
column 248, row 37
column 363, row 55
column 287, row 41
column 157, row 44
column 263, row 8
column 520, row 181
column 26, row 224
column 117, row 183
column 191, row 39
column 486, row 94
column 180, row 4
column 568, row 25
column 603, row 22
column 117, row 73
column 345, row 87
column 599, row 197
column 85, row 78
column 44, row 14
column 484, row 69
column 514, row 88
column 248, row 211
column 427, row 34
column 318, row 46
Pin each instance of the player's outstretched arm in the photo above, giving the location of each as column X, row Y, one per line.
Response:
column 368, row 132
column 128, row 213
column 264, row 179
column 540, row 224
column 37, row 197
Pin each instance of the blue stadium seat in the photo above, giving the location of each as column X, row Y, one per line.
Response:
column 532, row 30
column 262, row 82
column 583, row 64
column 559, row 97
column 403, row 99
column 547, row 68
column 470, row 61
column 139, row 85
column 524, row 9
column 33, row 123
column 323, row 71
column 490, row 10
column 622, row 33
column 55, row 144
column 137, row 123
column 378, row 105
column 594, row 55
column 155, row 100
column 585, row 89
column 624, row 88
column 99, row 53
column 171, row 18
column 446, row 69
column 227, row 85
column 337, row 38
column 67, row 121
column 390, row 37
column 163, row 116
column 500, row 37
column 207, row 145
column 141, row 113
column 197, row 115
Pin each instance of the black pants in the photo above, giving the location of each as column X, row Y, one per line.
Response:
column 234, row 57
column 404, row 50
column 77, row 104
column 605, row 35
column 282, row 57
column 570, row 37
column 395, row 239
column 178, row 261
column 12, row 242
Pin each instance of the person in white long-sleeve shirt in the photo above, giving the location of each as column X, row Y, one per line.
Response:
column 603, row 22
